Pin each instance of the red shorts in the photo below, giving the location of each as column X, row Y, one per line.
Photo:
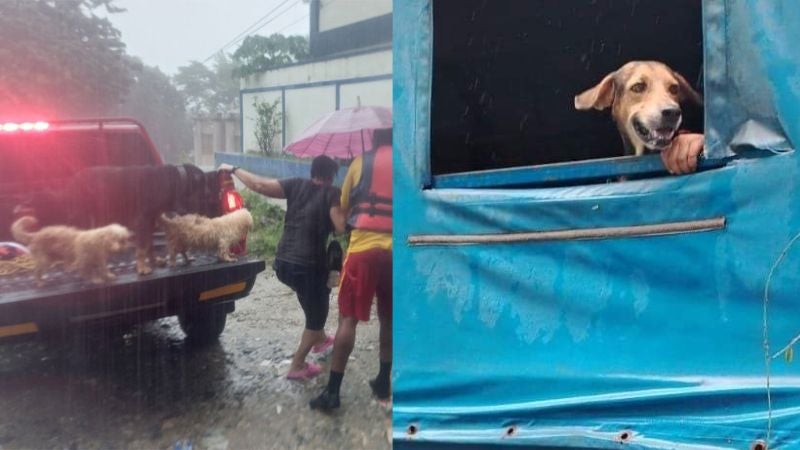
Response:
column 366, row 275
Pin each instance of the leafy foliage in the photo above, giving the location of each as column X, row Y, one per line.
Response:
column 268, row 225
column 208, row 90
column 259, row 53
column 213, row 90
column 59, row 58
column 268, row 124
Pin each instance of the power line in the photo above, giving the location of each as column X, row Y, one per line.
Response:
column 293, row 23
column 246, row 30
column 274, row 18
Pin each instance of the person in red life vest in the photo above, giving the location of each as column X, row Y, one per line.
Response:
column 312, row 206
column 366, row 202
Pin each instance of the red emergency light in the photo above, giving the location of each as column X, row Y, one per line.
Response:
column 10, row 127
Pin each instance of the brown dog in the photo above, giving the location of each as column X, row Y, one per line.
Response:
column 645, row 98
column 86, row 251
column 194, row 232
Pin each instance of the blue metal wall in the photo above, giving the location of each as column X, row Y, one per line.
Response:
column 651, row 341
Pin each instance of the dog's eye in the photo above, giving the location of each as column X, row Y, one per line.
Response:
column 639, row 87
column 674, row 89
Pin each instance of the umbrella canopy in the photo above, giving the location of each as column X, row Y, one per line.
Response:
column 343, row 134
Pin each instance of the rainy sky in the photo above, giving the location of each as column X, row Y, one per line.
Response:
column 170, row 33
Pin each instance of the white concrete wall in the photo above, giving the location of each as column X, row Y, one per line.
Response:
column 378, row 63
column 338, row 13
column 374, row 93
column 304, row 105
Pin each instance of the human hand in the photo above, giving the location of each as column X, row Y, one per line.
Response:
column 681, row 156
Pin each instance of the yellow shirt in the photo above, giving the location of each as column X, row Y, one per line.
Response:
column 361, row 240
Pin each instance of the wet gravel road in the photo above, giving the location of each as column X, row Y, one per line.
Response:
column 148, row 390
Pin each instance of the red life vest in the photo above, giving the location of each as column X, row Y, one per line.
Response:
column 371, row 198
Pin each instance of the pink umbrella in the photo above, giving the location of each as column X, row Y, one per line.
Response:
column 342, row 134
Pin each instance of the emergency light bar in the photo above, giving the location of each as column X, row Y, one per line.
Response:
column 10, row 127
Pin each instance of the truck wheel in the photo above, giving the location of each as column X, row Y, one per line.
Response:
column 203, row 325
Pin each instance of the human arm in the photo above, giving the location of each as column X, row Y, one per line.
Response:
column 681, row 156
column 339, row 219
column 266, row 186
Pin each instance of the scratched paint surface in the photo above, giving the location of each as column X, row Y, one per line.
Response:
column 658, row 342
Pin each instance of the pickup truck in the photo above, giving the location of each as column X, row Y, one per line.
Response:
column 44, row 155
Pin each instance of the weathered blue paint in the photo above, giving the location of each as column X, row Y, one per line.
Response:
column 273, row 167
column 661, row 342
column 573, row 173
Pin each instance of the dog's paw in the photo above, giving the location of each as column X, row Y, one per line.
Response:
column 144, row 270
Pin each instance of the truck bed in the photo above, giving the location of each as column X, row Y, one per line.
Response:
column 66, row 298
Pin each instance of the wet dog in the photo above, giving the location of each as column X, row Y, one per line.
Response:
column 645, row 99
column 134, row 196
column 84, row 251
column 194, row 232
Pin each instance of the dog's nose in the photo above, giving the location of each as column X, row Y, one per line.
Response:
column 671, row 113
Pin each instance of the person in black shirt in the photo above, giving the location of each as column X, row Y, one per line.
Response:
column 312, row 213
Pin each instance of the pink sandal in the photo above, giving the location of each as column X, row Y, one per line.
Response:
column 322, row 348
column 308, row 372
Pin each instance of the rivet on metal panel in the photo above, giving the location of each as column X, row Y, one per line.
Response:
column 412, row 430
column 758, row 445
column 510, row 431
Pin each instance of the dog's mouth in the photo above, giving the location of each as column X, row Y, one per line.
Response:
column 655, row 138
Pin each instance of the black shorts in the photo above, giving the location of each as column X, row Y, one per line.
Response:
column 311, row 286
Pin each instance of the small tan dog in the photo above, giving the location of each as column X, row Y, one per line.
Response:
column 645, row 98
column 85, row 251
column 193, row 232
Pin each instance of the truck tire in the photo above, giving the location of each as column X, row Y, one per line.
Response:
column 203, row 325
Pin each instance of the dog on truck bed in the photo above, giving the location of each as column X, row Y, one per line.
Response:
column 134, row 196
column 194, row 232
column 645, row 98
column 85, row 251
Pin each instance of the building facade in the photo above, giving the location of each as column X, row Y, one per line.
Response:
column 351, row 61
column 215, row 133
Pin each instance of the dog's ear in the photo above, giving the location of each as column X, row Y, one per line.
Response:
column 599, row 97
column 687, row 91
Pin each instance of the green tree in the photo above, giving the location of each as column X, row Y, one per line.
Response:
column 156, row 102
column 268, row 124
column 208, row 90
column 259, row 53
column 60, row 58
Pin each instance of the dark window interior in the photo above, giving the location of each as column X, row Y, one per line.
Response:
column 505, row 73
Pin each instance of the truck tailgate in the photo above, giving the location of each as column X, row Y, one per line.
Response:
column 65, row 299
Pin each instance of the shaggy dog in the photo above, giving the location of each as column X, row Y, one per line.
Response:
column 85, row 251
column 193, row 232
column 645, row 98
column 134, row 196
